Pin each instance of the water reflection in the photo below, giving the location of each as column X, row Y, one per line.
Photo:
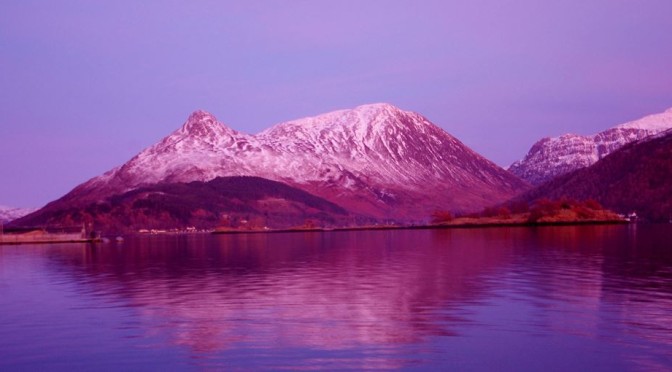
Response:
column 387, row 299
column 327, row 291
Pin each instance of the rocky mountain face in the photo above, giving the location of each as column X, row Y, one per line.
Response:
column 374, row 160
column 10, row 213
column 552, row 157
column 637, row 177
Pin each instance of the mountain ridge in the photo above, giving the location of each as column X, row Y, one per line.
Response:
column 554, row 156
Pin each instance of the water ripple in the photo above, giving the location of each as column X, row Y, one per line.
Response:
column 345, row 300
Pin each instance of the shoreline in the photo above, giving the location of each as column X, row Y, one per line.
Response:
column 8, row 239
column 456, row 225
column 4, row 241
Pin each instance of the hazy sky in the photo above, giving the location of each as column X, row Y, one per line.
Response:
column 85, row 85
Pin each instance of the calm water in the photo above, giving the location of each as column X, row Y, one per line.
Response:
column 555, row 298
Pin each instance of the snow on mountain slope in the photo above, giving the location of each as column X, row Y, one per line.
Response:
column 374, row 143
column 374, row 159
column 552, row 157
column 9, row 213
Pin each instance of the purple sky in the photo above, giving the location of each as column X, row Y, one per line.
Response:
column 85, row 85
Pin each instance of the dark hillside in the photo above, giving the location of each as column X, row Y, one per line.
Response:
column 226, row 201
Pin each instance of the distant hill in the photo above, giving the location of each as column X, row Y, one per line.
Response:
column 552, row 157
column 224, row 201
column 637, row 177
column 10, row 213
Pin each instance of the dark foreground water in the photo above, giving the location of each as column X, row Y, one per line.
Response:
column 555, row 298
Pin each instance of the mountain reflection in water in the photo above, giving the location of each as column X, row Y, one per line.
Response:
column 475, row 298
column 319, row 290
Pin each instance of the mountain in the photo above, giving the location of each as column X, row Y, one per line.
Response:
column 10, row 213
column 552, row 157
column 375, row 160
column 637, row 177
column 223, row 201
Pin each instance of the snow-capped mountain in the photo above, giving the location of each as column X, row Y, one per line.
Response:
column 375, row 160
column 9, row 213
column 552, row 157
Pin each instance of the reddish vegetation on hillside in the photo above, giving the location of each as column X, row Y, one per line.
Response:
column 442, row 217
column 543, row 211
column 567, row 210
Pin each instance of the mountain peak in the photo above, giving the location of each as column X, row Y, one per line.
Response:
column 199, row 115
column 390, row 119
column 204, row 124
column 379, row 106
column 379, row 109
column 653, row 123
column 361, row 124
